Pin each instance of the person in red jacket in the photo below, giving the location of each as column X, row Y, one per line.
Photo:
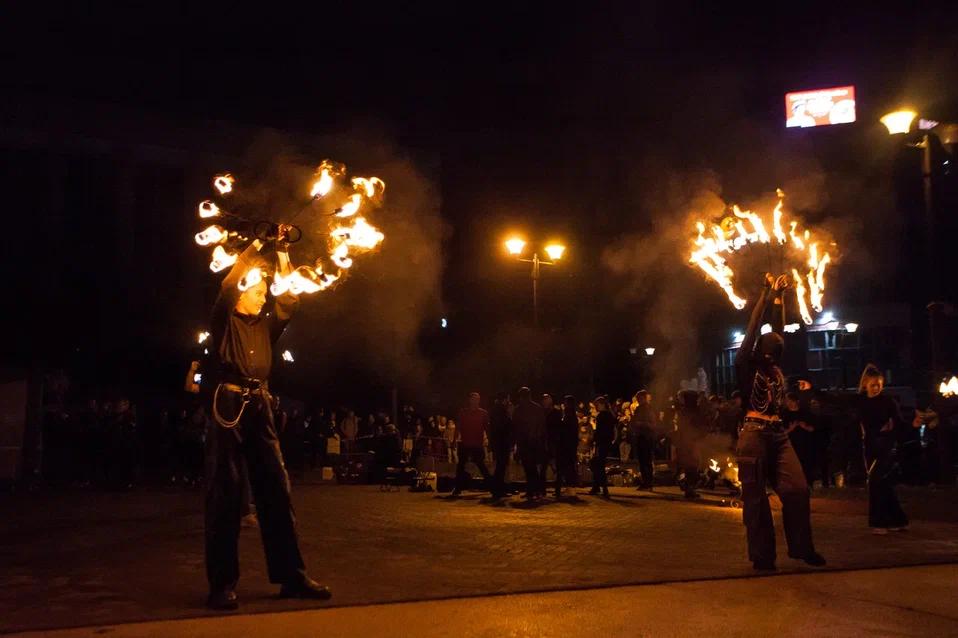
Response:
column 473, row 423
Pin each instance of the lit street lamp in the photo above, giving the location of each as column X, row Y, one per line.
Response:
column 515, row 246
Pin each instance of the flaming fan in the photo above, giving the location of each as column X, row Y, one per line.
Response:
column 350, row 236
column 716, row 242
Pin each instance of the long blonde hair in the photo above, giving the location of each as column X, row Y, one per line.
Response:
column 871, row 371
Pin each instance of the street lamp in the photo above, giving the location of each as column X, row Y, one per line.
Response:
column 898, row 122
column 515, row 246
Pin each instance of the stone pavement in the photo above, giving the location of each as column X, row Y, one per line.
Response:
column 89, row 558
column 903, row 601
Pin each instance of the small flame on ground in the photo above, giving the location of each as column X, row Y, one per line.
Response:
column 949, row 388
column 714, row 466
column 224, row 183
column 203, row 336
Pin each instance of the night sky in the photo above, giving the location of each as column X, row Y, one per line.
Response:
column 588, row 123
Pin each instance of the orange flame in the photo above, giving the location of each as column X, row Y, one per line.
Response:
column 949, row 388
column 224, row 183
column 370, row 186
column 253, row 277
column 351, row 207
column 714, row 241
column 222, row 259
column 212, row 235
column 208, row 209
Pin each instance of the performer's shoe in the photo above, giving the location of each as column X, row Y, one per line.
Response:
column 814, row 559
column 305, row 588
column 222, row 600
column 764, row 565
column 605, row 492
column 456, row 493
column 593, row 491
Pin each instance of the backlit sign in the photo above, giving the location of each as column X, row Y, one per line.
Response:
column 820, row 107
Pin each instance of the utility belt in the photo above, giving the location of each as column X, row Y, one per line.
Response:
column 233, row 394
column 763, row 424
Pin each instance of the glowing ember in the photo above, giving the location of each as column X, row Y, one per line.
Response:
column 222, row 259
column 223, row 183
column 212, row 235
column 715, row 242
column 949, row 388
column 208, row 209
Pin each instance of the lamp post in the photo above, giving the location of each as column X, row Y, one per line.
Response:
column 899, row 123
column 516, row 246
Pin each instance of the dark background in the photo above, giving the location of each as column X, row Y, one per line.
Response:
column 603, row 125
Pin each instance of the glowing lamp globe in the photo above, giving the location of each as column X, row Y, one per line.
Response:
column 898, row 122
column 515, row 246
column 555, row 251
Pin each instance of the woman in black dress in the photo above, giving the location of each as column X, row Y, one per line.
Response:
column 878, row 415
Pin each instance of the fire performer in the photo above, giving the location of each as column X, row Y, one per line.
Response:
column 245, row 433
column 764, row 452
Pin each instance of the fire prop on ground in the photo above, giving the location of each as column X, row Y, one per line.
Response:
column 715, row 243
column 350, row 235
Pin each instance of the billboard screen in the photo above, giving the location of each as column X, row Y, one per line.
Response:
column 820, row 107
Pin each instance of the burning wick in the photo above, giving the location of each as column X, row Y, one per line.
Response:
column 288, row 356
column 203, row 336
column 949, row 388
column 250, row 279
column 224, row 183
column 369, row 186
column 221, row 259
column 351, row 207
column 208, row 209
column 212, row 235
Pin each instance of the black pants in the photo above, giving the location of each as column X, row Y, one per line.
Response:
column 884, row 510
column 478, row 456
column 252, row 443
column 565, row 465
column 597, row 464
column 643, row 446
column 501, row 450
column 766, row 457
column 534, row 463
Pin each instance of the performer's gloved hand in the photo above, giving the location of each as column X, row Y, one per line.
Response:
column 769, row 281
column 283, row 232
column 781, row 284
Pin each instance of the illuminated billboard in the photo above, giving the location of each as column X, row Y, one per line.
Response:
column 820, row 107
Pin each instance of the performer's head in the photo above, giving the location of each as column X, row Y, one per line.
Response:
column 547, row 401
column 872, row 382
column 253, row 299
column 770, row 347
column 569, row 402
column 474, row 400
column 524, row 393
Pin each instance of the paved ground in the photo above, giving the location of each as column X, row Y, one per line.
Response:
column 87, row 558
column 908, row 601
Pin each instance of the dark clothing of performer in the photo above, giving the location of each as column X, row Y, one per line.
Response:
column 567, row 444
column 643, row 430
column 802, row 440
column 529, row 421
column 765, row 456
column 879, row 417
column 691, row 429
column 604, row 435
column 473, row 424
column 500, row 440
column 241, row 362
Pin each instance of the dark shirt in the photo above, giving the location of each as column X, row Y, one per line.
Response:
column 554, row 423
column 529, row 421
column 643, row 418
column 875, row 413
column 604, row 429
column 245, row 343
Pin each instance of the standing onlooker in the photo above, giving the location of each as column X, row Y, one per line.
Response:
column 643, row 436
column 568, row 440
column 473, row 422
column 553, row 430
column 530, row 426
column 878, row 414
column 604, row 434
column 500, row 440
column 451, row 436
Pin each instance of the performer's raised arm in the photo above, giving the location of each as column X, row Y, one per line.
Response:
column 754, row 323
column 285, row 304
column 229, row 289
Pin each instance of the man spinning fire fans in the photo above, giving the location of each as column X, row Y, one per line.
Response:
column 244, row 433
column 764, row 452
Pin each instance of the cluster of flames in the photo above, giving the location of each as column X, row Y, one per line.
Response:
column 346, row 239
column 729, row 472
column 715, row 242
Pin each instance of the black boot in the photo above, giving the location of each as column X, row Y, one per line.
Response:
column 764, row 565
column 305, row 587
column 222, row 600
column 814, row 559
